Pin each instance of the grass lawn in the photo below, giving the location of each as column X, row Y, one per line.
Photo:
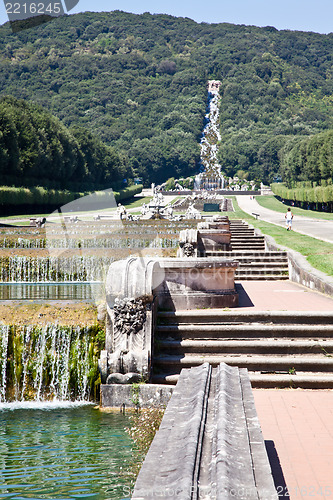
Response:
column 137, row 201
column 318, row 253
column 274, row 204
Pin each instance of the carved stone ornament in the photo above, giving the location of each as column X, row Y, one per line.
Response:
column 129, row 315
column 188, row 250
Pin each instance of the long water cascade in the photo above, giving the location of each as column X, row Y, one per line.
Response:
column 54, row 362
column 211, row 177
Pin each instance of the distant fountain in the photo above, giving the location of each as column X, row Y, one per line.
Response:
column 211, row 176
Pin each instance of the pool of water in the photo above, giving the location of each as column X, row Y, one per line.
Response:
column 51, row 291
column 63, row 452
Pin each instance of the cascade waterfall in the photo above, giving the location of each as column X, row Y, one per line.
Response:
column 210, row 177
column 46, row 363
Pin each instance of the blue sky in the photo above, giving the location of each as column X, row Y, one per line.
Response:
column 304, row 15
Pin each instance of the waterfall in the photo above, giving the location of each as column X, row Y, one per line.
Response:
column 23, row 268
column 211, row 177
column 47, row 363
column 3, row 362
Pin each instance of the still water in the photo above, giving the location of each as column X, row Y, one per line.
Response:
column 51, row 291
column 63, row 452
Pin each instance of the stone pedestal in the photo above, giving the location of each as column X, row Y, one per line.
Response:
column 196, row 283
column 213, row 240
column 136, row 287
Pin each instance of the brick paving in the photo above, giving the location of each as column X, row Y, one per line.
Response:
column 297, row 424
column 281, row 295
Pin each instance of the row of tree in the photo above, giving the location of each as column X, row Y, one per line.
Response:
column 306, row 196
column 309, row 158
column 37, row 149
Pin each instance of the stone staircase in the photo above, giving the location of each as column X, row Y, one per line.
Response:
column 280, row 349
column 249, row 250
column 243, row 237
column 258, row 265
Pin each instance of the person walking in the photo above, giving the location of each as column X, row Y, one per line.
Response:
column 289, row 219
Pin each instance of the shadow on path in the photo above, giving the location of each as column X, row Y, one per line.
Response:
column 243, row 298
column 277, row 472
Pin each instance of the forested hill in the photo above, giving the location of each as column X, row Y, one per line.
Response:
column 139, row 82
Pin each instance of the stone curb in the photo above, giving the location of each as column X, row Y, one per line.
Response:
column 300, row 271
column 233, row 465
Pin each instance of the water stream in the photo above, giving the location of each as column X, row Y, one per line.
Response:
column 211, row 176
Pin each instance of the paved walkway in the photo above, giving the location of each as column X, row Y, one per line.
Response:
column 281, row 295
column 317, row 228
column 297, row 424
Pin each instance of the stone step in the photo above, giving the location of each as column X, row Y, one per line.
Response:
column 261, row 277
column 248, row 270
column 246, row 238
column 305, row 380
column 259, row 248
column 247, row 243
column 269, row 267
column 242, row 232
column 230, row 317
column 255, row 255
column 255, row 346
column 259, row 261
column 260, row 363
column 243, row 331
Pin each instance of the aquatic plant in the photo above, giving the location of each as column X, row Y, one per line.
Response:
column 49, row 362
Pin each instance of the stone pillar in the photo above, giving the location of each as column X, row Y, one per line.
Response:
column 129, row 325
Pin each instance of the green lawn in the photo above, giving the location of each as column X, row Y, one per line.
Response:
column 318, row 253
column 137, row 201
column 274, row 204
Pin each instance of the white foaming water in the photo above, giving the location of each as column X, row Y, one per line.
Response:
column 43, row 405
column 44, row 361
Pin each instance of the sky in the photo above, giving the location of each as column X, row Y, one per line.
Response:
column 302, row 15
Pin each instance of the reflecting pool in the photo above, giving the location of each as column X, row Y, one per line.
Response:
column 63, row 451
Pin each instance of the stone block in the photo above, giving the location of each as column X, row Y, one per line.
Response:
column 118, row 396
column 196, row 283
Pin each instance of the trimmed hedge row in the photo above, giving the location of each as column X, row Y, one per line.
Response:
column 14, row 196
column 318, row 194
column 317, row 198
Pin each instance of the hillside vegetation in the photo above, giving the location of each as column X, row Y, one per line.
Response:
column 37, row 149
column 139, row 82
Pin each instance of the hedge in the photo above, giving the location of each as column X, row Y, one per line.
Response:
column 305, row 194
column 15, row 196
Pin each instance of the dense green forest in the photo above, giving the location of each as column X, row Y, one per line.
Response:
column 37, row 149
column 308, row 159
column 139, row 83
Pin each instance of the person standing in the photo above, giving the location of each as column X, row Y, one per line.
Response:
column 289, row 219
